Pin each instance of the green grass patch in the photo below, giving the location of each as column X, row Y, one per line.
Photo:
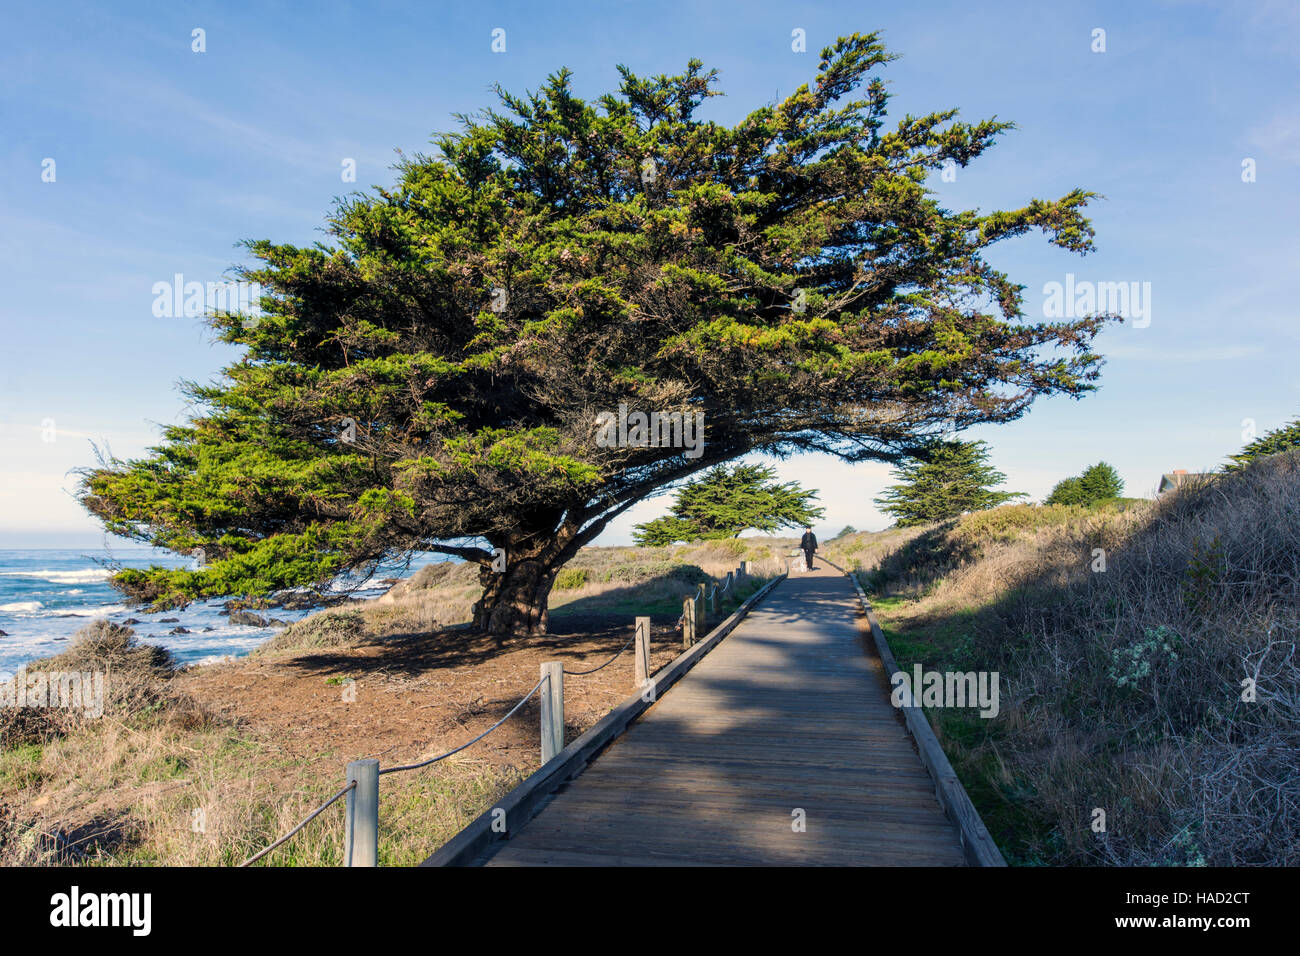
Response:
column 20, row 766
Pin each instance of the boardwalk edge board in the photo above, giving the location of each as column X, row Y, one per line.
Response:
column 975, row 839
column 525, row 801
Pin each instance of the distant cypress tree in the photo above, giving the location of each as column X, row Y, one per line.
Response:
column 953, row 477
column 1100, row 482
column 1279, row 440
column 1097, row 483
column 1067, row 491
column 727, row 501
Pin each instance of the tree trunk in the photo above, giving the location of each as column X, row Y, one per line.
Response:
column 514, row 601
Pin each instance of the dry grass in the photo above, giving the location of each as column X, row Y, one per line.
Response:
column 212, row 798
column 1123, row 687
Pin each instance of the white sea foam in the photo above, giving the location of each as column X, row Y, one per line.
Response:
column 22, row 606
column 61, row 577
column 102, row 611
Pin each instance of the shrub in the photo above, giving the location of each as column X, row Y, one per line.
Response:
column 135, row 684
column 570, row 579
column 324, row 629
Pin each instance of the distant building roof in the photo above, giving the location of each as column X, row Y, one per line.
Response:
column 1171, row 480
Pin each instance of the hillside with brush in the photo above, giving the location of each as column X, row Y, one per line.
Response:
column 1149, row 711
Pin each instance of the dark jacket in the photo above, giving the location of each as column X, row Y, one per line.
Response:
column 808, row 542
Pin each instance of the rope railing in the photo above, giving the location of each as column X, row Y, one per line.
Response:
column 424, row 763
column 616, row 656
column 362, row 788
column 414, row 766
column 294, row 832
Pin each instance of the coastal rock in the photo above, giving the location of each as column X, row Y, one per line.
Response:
column 306, row 600
column 179, row 630
column 248, row 618
column 129, row 621
column 4, row 633
column 168, row 620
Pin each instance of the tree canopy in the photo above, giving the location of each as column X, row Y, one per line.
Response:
column 433, row 376
column 727, row 501
column 951, row 478
column 1097, row 483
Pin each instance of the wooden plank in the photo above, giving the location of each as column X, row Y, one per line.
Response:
column 976, row 839
column 706, row 847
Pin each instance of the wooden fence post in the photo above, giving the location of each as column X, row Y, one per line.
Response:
column 713, row 601
column 688, row 622
column 552, row 691
column 700, row 617
column 641, row 669
column 744, row 566
column 361, row 829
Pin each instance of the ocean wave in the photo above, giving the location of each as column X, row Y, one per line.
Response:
column 22, row 606
column 61, row 577
column 102, row 611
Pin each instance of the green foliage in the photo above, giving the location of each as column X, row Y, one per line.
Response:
column 428, row 374
column 727, row 501
column 951, row 478
column 1130, row 665
column 1279, row 440
column 570, row 579
column 1067, row 491
column 1100, row 482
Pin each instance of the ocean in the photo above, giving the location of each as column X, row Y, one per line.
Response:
column 47, row 595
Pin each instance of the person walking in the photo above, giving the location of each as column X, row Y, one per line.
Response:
column 809, row 544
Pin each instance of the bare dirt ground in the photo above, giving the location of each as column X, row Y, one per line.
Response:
column 416, row 696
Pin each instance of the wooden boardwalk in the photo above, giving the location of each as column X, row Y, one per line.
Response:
column 789, row 713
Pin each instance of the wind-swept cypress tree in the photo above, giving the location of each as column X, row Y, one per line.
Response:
column 435, row 375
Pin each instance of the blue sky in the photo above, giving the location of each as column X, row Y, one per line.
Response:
column 165, row 158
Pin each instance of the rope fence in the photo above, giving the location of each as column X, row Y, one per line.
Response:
column 361, row 841
column 424, row 763
column 294, row 832
column 616, row 656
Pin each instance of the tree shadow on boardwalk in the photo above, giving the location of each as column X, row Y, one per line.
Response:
column 778, row 747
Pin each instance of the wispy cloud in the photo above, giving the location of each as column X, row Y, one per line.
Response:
column 1278, row 138
column 1184, row 356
